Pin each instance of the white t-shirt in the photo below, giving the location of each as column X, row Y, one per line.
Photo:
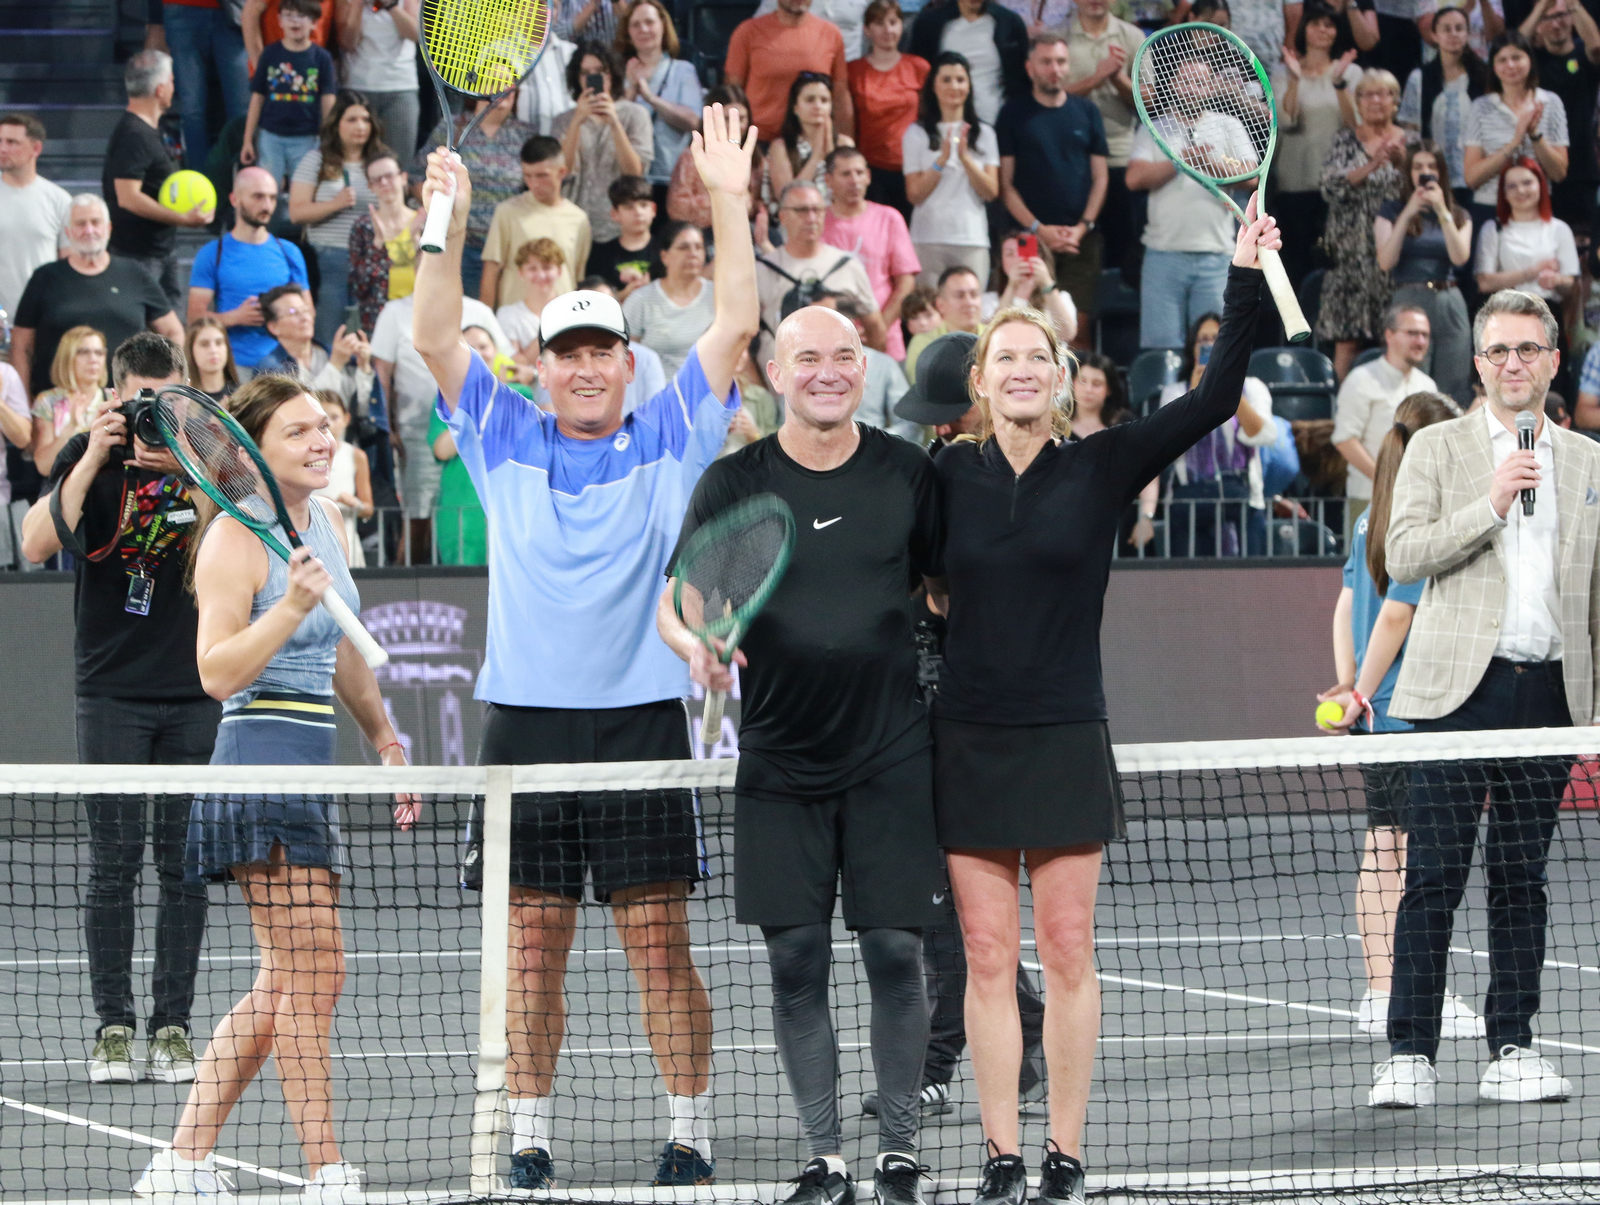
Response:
column 1519, row 245
column 34, row 219
column 953, row 213
column 520, row 324
column 975, row 40
column 1183, row 216
column 411, row 400
column 383, row 61
column 15, row 397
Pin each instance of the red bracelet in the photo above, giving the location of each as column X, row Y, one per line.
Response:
column 1367, row 713
column 391, row 745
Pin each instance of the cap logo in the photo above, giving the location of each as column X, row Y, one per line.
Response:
column 581, row 304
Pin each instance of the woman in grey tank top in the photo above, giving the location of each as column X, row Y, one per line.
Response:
column 274, row 656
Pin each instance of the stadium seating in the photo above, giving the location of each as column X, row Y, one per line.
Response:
column 1301, row 380
column 1151, row 369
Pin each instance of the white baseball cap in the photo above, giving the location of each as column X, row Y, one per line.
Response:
column 583, row 309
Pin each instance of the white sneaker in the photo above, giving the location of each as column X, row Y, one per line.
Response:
column 1520, row 1075
column 111, row 1061
column 335, row 1184
column 172, row 1177
column 1372, row 1017
column 1458, row 1020
column 1405, row 1081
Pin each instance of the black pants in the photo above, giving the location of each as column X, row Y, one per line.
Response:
column 1447, row 803
column 944, row 961
column 178, row 732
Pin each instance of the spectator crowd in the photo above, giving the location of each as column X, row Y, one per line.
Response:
column 921, row 166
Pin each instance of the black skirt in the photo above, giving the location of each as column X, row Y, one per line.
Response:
column 999, row 786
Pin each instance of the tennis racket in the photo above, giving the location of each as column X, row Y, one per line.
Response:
column 219, row 456
column 1207, row 102
column 481, row 49
column 725, row 575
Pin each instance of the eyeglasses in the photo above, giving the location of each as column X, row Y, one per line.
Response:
column 293, row 311
column 1499, row 353
column 384, row 177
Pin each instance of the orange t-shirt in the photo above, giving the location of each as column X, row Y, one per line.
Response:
column 766, row 55
column 886, row 103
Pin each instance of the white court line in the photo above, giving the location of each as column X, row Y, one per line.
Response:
column 266, row 1173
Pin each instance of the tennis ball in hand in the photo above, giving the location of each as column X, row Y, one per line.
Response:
column 1329, row 713
column 183, row 191
column 505, row 367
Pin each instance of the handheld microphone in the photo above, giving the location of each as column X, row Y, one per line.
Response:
column 1525, row 425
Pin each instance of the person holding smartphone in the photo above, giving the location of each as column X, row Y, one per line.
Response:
column 602, row 137
column 1027, row 277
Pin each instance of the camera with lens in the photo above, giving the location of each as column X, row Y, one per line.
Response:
column 140, row 413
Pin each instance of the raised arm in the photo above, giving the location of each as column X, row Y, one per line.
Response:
column 436, row 313
column 722, row 158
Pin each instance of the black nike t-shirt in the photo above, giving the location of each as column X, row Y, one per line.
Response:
column 122, row 654
column 830, row 694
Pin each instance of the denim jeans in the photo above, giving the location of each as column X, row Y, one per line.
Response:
column 1175, row 289
column 472, row 268
column 333, row 290
column 205, row 45
column 142, row 732
column 1446, row 806
column 280, row 156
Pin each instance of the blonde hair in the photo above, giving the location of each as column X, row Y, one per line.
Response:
column 63, row 368
column 1061, row 407
column 1376, row 77
column 546, row 250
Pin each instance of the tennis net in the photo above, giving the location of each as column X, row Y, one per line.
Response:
column 1231, row 1065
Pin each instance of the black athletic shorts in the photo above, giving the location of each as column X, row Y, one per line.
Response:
column 623, row 839
column 790, row 855
column 1388, row 789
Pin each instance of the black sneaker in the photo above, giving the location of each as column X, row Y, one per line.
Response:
column 816, row 1185
column 899, row 1181
column 931, row 1101
column 1061, row 1178
column 682, row 1167
column 532, row 1167
column 1004, row 1180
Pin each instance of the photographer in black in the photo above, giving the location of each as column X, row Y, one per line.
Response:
column 118, row 504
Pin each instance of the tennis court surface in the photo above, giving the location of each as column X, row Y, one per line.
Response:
column 1230, row 1064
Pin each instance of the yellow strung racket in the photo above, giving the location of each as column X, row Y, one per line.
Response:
column 481, row 49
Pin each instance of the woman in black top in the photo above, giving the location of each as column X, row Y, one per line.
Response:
column 1023, row 769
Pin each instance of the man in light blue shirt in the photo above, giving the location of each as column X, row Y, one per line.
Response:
column 584, row 504
column 233, row 273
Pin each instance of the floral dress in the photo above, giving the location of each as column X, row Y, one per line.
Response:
column 1355, row 290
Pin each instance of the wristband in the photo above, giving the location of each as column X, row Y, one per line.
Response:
column 1034, row 229
column 1339, row 85
column 938, row 167
column 391, row 745
column 1365, row 704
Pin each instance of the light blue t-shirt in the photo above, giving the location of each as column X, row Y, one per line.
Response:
column 580, row 533
column 246, row 270
column 1366, row 602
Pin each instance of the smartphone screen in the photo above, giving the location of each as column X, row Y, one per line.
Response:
column 595, row 82
column 352, row 318
column 1028, row 246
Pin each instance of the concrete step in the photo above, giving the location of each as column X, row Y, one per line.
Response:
column 28, row 86
column 58, row 14
column 91, row 45
column 71, row 122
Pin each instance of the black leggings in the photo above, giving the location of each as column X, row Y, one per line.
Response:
column 800, row 956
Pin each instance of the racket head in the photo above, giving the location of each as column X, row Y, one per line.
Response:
column 1199, row 83
column 218, row 455
column 730, row 567
column 483, row 48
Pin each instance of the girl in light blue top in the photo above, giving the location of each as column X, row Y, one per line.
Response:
column 1370, row 623
column 277, row 660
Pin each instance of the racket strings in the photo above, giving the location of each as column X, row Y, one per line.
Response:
column 483, row 47
column 727, row 574
column 1205, row 103
column 208, row 450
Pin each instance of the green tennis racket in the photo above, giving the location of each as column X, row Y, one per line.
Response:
column 1207, row 102
column 218, row 455
column 725, row 575
column 481, row 49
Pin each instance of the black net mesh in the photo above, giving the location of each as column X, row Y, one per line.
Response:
column 1235, row 1057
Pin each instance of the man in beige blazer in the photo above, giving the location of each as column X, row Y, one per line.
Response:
column 1506, row 636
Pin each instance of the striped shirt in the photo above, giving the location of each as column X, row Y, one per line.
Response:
column 1491, row 125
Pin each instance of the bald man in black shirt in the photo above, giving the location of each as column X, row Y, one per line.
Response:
column 835, row 772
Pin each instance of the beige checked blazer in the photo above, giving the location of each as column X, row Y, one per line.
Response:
column 1441, row 528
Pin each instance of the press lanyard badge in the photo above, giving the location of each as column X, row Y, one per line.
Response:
column 140, row 591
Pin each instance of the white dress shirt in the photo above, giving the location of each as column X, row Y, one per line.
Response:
column 1530, row 628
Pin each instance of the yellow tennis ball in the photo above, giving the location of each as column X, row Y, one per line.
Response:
column 1329, row 714
column 183, row 191
column 504, row 367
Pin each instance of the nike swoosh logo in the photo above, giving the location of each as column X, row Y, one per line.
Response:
column 938, row 898
column 819, row 524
